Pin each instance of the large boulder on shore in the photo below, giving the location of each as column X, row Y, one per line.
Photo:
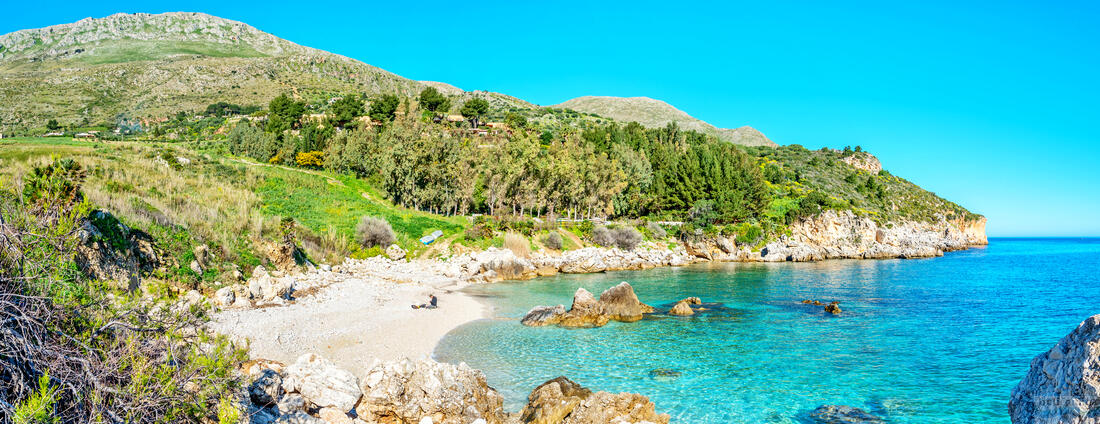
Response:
column 563, row 401
column 412, row 391
column 1063, row 384
column 322, row 383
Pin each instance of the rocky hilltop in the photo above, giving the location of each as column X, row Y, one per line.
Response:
column 655, row 113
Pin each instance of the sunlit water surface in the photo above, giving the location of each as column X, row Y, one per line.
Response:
column 920, row 341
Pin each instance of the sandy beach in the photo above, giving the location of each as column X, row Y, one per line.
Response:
column 354, row 321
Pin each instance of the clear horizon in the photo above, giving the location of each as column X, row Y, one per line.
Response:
column 990, row 105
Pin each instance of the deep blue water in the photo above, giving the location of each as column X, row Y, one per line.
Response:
column 920, row 341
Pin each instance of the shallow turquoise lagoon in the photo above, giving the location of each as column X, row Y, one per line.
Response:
column 920, row 341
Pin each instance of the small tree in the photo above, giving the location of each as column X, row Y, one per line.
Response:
column 284, row 114
column 474, row 109
column 346, row 110
column 515, row 120
column 374, row 231
column 434, row 101
column 385, row 108
column 52, row 125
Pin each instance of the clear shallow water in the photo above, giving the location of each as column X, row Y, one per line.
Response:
column 920, row 341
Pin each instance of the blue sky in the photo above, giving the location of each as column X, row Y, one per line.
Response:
column 993, row 105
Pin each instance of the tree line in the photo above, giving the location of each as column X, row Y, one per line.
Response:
column 608, row 170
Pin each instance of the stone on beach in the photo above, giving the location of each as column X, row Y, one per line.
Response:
column 324, row 384
column 408, row 391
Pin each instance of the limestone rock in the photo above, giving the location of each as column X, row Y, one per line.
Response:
column 552, row 401
column 562, row 401
column 224, row 297
column 408, row 391
column 681, row 308
column 196, row 267
column 840, row 414
column 266, row 389
column 395, row 252
column 543, row 315
column 322, row 383
column 298, row 417
column 334, row 416
column 115, row 253
column 833, row 308
column 1063, row 384
column 620, row 303
column 291, row 403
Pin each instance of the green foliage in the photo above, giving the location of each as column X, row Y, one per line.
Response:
column 374, row 232
column 434, row 101
column 474, row 109
column 553, row 240
column 52, row 125
column 223, row 109
column 57, row 182
column 284, row 114
column 246, row 140
column 39, row 408
column 515, row 120
column 385, row 108
column 345, row 110
column 748, row 233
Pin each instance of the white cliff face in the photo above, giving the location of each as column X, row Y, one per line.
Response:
column 843, row 235
column 1063, row 384
column 864, row 161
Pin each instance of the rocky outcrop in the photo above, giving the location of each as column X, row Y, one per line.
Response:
column 843, row 235
column 863, row 161
column 683, row 307
column 312, row 390
column 1063, row 384
column 617, row 303
column 112, row 251
column 833, row 308
column 841, row 414
column 407, row 391
column 562, row 401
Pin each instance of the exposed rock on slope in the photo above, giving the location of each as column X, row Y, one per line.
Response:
column 864, row 161
column 1063, row 384
column 655, row 113
column 111, row 251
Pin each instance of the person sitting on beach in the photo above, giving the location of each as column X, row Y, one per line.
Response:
column 432, row 305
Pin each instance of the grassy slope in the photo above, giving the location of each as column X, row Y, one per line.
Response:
column 234, row 206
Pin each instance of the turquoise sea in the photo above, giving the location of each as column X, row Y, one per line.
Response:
column 920, row 341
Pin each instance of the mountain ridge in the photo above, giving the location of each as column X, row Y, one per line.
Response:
column 655, row 113
column 151, row 66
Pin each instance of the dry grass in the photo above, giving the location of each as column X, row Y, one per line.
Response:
column 518, row 244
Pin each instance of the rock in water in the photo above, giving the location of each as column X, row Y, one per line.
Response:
column 682, row 309
column 833, row 308
column 621, row 304
column 552, row 401
column 840, row 414
column 322, row 383
column 408, row 391
column 562, row 401
column 543, row 315
column 1063, row 384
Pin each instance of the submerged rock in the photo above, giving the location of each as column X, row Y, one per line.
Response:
column 1063, row 384
column 664, row 373
column 840, row 414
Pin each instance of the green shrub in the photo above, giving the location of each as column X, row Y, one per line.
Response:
column 373, row 231
column 656, row 231
column 602, row 236
column 626, row 238
column 553, row 240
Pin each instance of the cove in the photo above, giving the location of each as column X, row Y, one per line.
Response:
column 919, row 341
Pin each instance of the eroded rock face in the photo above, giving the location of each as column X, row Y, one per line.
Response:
column 864, row 161
column 408, row 391
column 617, row 303
column 1063, row 384
column 562, row 401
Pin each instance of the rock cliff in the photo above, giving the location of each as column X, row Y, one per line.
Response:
column 1063, row 384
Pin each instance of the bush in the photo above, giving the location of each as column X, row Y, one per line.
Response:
column 373, row 231
column 311, row 159
column 656, row 231
column 627, row 238
column 602, row 236
column 517, row 243
column 553, row 241
column 748, row 233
